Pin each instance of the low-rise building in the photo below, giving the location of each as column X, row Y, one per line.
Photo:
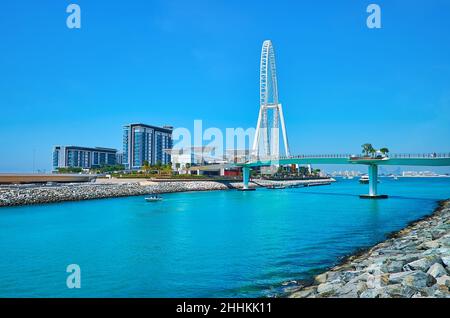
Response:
column 83, row 157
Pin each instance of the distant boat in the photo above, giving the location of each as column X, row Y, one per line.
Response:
column 153, row 198
column 364, row 179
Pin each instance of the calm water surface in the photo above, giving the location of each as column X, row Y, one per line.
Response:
column 208, row 244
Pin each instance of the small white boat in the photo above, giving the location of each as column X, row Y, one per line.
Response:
column 364, row 179
column 153, row 198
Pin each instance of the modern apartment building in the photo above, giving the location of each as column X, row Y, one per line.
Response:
column 82, row 157
column 146, row 143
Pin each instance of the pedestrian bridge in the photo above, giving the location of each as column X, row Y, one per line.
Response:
column 441, row 159
column 433, row 160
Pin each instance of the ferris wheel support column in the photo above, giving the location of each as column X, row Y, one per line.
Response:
column 283, row 129
column 257, row 132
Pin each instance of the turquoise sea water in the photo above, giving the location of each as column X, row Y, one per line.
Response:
column 203, row 244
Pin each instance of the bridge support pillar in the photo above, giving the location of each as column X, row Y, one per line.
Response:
column 373, row 180
column 245, row 177
column 373, row 184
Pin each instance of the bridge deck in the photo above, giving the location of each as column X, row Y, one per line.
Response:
column 372, row 163
column 396, row 160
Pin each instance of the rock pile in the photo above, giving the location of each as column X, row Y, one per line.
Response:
column 27, row 195
column 13, row 196
column 413, row 263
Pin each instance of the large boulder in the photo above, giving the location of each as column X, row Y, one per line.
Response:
column 361, row 278
column 408, row 257
column 349, row 290
column 437, row 270
column 377, row 281
column 438, row 233
column 418, row 280
column 328, row 289
column 393, row 266
column 444, row 281
column 371, row 293
column 397, row 291
column 441, row 251
column 304, row 293
column 422, row 264
column 349, row 275
column 321, row 278
column 429, row 244
column 397, row 278
column 442, row 292
column 446, row 260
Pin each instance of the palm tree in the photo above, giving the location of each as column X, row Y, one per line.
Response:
column 146, row 166
column 368, row 149
column 303, row 171
column 167, row 169
column 384, row 151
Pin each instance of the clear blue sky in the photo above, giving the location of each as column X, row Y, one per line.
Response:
column 170, row 62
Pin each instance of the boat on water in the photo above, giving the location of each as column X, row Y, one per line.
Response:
column 364, row 179
column 153, row 198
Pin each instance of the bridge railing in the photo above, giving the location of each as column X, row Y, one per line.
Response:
column 348, row 156
column 320, row 156
column 420, row 155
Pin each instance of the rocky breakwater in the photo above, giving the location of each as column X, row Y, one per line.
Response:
column 414, row 262
column 15, row 196
column 27, row 195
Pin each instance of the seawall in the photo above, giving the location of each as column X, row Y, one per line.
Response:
column 414, row 262
column 28, row 195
